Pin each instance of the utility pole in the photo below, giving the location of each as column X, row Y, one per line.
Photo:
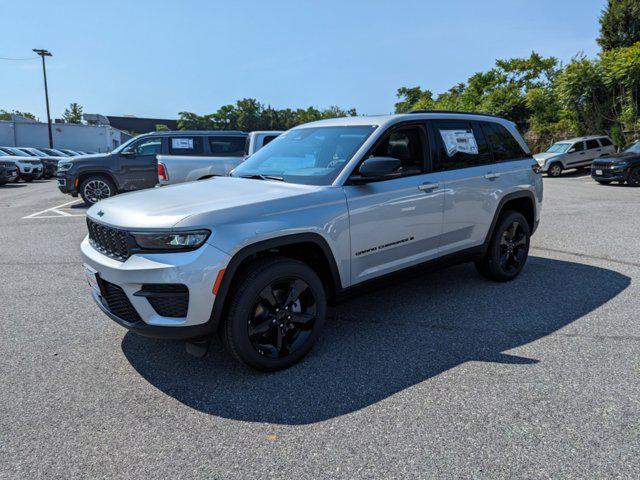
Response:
column 46, row 53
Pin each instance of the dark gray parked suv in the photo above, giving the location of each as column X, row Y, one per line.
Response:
column 134, row 165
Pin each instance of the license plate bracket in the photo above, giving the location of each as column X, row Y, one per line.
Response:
column 598, row 172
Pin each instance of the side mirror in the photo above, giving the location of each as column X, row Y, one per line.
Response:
column 128, row 153
column 379, row 168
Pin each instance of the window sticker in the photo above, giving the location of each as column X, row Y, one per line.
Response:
column 182, row 143
column 459, row 141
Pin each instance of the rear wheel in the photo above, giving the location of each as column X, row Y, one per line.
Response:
column 634, row 177
column 96, row 188
column 508, row 249
column 277, row 311
column 555, row 169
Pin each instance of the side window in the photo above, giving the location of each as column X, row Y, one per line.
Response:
column 268, row 139
column 459, row 145
column 222, row 146
column 407, row 145
column 578, row 147
column 185, row 146
column 146, row 146
column 592, row 144
column 502, row 143
column 606, row 142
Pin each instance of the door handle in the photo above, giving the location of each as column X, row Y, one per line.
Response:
column 491, row 175
column 427, row 187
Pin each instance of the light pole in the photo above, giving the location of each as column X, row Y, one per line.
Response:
column 46, row 53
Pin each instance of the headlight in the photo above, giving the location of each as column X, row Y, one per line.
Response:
column 619, row 166
column 169, row 241
column 63, row 167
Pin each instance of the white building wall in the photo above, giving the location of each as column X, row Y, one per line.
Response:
column 94, row 138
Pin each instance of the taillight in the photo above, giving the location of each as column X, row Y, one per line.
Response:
column 162, row 172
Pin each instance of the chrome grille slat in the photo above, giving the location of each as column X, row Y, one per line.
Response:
column 108, row 240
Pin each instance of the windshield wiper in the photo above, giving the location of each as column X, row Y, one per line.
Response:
column 258, row 176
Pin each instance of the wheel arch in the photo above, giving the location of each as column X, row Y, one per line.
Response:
column 89, row 173
column 523, row 202
column 310, row 248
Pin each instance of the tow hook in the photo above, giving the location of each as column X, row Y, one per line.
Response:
column 198, row 348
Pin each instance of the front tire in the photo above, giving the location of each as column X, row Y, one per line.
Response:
column 508, row 249
column 96, row 188
column 634, row 177
column 555, row 170
column 604, row 182
column 276, row 313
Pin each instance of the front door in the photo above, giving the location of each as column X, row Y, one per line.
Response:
column 396, row 223
column 139, row 164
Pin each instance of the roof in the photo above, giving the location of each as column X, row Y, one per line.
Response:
column 385, row 120
column 577, row 139
column 200, row 132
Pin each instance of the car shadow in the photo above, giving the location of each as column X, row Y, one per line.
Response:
column 13, row 185
column 385, row 341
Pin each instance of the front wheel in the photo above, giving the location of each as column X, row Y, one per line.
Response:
column 555, row 169
column 634, row 177
column 604, row 182
column 96, row 188
column 508, row 249
column 277, row 310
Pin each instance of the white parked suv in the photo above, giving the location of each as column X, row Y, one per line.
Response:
column 574, row 153
column 326, row 208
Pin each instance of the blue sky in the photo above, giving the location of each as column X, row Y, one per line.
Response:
column 159, row 58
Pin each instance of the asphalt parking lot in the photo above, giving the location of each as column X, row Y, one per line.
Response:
column 444, row 375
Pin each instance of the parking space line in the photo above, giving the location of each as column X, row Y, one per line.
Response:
column 55, row 210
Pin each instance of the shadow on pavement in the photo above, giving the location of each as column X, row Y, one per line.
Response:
column 385, row 341
column 13, row 185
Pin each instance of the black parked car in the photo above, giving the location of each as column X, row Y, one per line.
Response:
column 620, row 167
column 133, row 165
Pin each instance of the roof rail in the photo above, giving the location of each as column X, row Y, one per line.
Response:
column 198, row 132
column 454, row 111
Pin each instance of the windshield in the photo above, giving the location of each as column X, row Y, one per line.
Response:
column 55, row 153
column 123, row 146
column 311, row 156
column 16, row 152
column 35, row 152
column 559, row 147
column 634, row 147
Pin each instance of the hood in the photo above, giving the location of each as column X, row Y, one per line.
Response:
column 81, row 158
column 164, row 207
column 546, row 155
column 621, row 157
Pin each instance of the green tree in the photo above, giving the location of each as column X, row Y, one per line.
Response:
column 619, row 24
column 6, row 115
column 161, row 127
column 73, row 114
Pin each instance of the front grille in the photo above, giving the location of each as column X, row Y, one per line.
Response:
column 118, row 302
column 602, row 164
column 108, row 240
column 32, row 162
column 168, row 300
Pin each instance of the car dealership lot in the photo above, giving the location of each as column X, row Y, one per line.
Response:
column 443, row 375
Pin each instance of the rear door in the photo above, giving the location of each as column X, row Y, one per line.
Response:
column 396, row 223
column 593, row 149
column 138, row 167
column 470, row 180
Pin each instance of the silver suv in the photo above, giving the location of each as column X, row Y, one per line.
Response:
column 574, row 153
column 324, row 208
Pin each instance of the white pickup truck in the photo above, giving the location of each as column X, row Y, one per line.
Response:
column 221, row 154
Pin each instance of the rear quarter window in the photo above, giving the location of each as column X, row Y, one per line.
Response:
column 502, row 143
column 227, row 146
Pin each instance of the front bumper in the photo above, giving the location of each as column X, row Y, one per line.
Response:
column 197, row 270
column 8, row 174
column 609, row 174
column 66, row 183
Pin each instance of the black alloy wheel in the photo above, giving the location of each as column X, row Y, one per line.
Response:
column 283, row 317
column 277, row 308
column 508, row 248
column 513, row 248
column 634, row 177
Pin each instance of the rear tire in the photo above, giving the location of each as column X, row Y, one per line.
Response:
column 276, row 312
column 508, row 249
column 555, row 170
column 95, row 188
column 604, row 182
